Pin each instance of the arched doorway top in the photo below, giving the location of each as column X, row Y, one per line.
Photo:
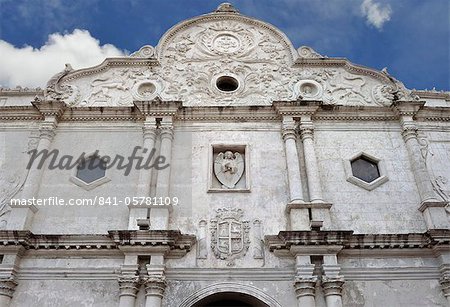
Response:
column 229, row 287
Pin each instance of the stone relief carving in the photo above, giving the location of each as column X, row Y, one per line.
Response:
column 202, row 250
column 110, row 90
column 56, row 91
column 117, row 87
column 434, row 159
column 220, row 48
column 258, row 241
column 146, row 51
column 10, row 184
column 308, row 89
column 398, row 90
column 338, row 87
column 308, row 53
column 229, row 234
column 228, row 168
column 195, row 54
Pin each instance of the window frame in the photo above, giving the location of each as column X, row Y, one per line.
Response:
column 369, row 186
column 92, row 185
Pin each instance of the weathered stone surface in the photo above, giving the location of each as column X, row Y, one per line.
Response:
column 289, row 228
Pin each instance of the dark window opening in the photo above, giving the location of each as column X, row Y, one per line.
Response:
column 227, row 84
column 365, row 169
column 91, row 169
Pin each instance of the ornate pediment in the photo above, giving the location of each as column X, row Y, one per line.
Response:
column 225, row 59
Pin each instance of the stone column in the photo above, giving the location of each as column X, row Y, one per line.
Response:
column 128, row 287
column 145, row 175
column 305, row 290
column 292, row 162
column 155, row 281
column 445, row 285
column 423, row 180
column 433, row 209
column 312, row 169
column 159, row 216
column 154, row 290
column 332, row 282
column 304, row 281
column 128, row 281
column 7, row 288
column 21, row 217
column 332, row 289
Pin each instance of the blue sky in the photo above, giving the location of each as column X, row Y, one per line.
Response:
column 409, row 37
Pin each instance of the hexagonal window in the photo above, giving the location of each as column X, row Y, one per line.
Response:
column 365, row 171
column 90, row 173
column 91, row 169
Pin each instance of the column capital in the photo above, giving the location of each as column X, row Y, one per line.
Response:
column 332, row 285
column 155, row 285
column 47, row 129
column 128, row 285
column 48, row 134
column 149, row 131
column 445, row 284
column 288, row 129
column 289, row 134
column 305, row 285
column 166, row 128
column 409, row 131
column 306, row 130
column 7, row 286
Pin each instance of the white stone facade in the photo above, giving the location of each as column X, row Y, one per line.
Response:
column 280, row 220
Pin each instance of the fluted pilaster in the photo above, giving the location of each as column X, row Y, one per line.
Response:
column 312, row 169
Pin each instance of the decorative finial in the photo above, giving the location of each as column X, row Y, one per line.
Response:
column 226, row 8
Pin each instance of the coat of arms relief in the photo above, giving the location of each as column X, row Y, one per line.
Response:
column 230, row 234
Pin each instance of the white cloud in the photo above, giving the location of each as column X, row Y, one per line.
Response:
column 31, row 67
column 376, row 14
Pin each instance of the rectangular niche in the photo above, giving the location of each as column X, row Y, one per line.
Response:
column 228, row 168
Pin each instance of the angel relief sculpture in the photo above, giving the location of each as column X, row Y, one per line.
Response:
column 228, row 168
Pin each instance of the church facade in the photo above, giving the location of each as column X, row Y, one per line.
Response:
column 224, row 167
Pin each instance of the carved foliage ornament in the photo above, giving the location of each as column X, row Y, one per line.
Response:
column 119, row 87
column 252, row 55
column 230, row 237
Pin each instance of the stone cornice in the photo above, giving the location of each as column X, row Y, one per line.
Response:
column 257, row 113
column 434, row 114
column 108, row 63
column 158, row 107
column 297, row 107
column 432, row 94
column 102, row 114
column 285, row 240
column 8, row 113
column 407, row 108
column 173, row 242
column 49, row 108
column 355, row 113
column 21, row 91
column 344, row 63
column 228, row 113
